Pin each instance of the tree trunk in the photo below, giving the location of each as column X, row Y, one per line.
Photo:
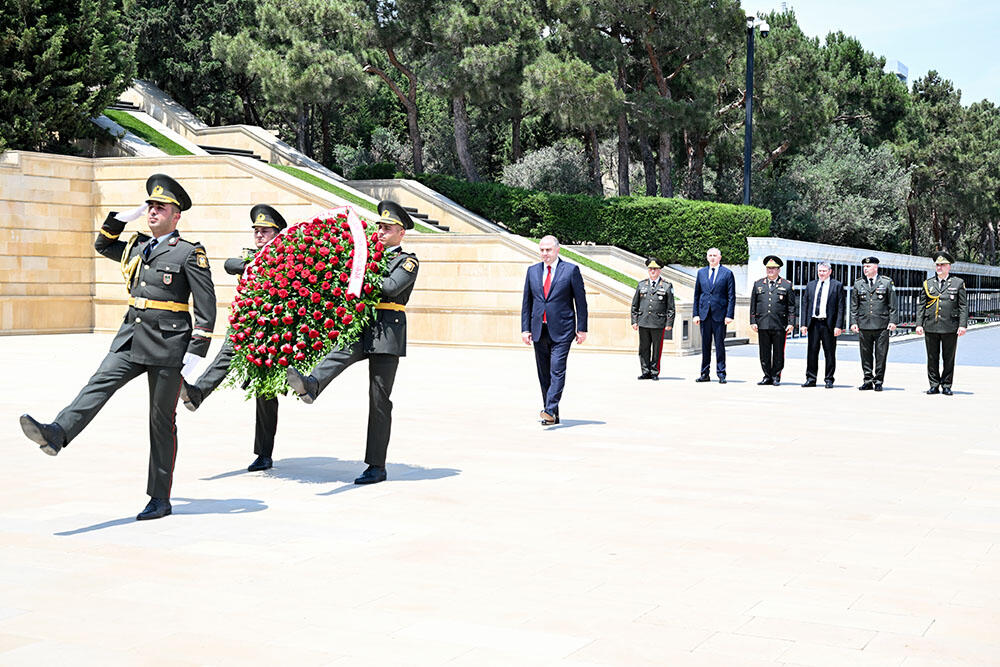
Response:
column 624, row 187
column 300, row 129
column 648, row 164
column 517, row 116
column 594, row 158
column 695, row 181
column 911, row 215
column 666, row 163
column 461, row 120
column 990, row 245
column 416, row 141
column 324, row 128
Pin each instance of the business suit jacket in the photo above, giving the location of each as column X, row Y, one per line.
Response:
column 716, row 301
column 565, row 309
column 836, row 301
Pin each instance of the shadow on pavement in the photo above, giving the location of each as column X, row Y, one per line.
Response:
column 185, row 506
column 326, row 469
column 568, row 423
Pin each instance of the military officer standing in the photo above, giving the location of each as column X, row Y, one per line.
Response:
column 873, row 318
column 652, row 313
column 156, row 338
column 266, row 223
column 772, row 313
column 942, row 316
column 383, row 342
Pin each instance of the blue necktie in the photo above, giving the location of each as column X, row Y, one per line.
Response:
column 148, row 249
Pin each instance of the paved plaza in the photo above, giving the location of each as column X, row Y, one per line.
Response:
column 668, row 523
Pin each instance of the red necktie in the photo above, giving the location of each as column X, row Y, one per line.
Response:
column 546, row 286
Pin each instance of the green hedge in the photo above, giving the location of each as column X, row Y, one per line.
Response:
column 675, row 230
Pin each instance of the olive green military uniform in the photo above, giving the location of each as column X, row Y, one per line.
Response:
column 382, row 342
column 942, row 308
column 653, row 311
column 873, row 308
column 772, row 309
column 156, row 333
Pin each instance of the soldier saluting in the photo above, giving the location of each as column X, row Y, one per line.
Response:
column 156, row 338
column 942, row 316
column 772, row 312
column 652, row 312
column 873, row 318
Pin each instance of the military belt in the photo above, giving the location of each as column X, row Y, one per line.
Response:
column 142, row 303
column 386, row 305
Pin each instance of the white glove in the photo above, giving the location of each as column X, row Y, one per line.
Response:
column 191, row 362
column 129, row 216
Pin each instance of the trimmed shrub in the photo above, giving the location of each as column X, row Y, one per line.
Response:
column 676, row 230
column 376, row 170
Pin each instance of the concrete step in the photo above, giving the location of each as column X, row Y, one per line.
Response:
column 121, row 105
column 221, row 150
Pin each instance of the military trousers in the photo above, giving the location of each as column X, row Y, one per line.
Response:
column 115, row 372
column 874, row 350
column 940, row 347
column 266, row 424
column 650, row 349
column 820, row 334
column 772, row 352
column 381, row 376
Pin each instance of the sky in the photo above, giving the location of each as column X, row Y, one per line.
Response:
column 959, row 39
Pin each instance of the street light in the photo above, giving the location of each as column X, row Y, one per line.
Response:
column 748, row 123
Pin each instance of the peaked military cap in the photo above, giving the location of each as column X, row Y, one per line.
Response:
column 653, row 263
column 263, row 215
column 161, row 188
column 870, row 260
column 394, row 214
column 943, row 258
column 773, row 261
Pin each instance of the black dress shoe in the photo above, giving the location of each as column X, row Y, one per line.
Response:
column 703, row 378
column 866, row 386
column 946, row 391
column 50, row 437
column 548, row 419
column 809, row 383
column 766, row 381
column 191, row 396
column 829, row 384
column 373, row 475
column 260, row 463
column 877, row 387
column 156, row 509
column 776, row 382
column 933, row 390
column 722, row 380
column 654, row 378
column 303, row 385
column 644, row 376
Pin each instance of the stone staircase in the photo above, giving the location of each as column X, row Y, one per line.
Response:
column 424, row 218
column 223, row 150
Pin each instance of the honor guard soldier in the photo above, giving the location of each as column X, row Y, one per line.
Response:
column 942, row 316
column 156, row 338
column 772, row 312
column 266, row 223
column 873, row 318
column 383, row 342
column 652, row 313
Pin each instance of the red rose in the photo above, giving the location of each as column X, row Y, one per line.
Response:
column 312, row 279
column 291, row 304
column 275, row 338
column 282, row 293
column 267, row 308
column 287, row 319
column 334, row 261
column 282, row 361
column 320, row 266
column 343, row 277
column 377, row 256
column 278, row 309
column 347, row 319
column 328, row 323
column 340, row 311
column 274, row 321
column 286, row 348
column 259, row 335
column 309, row 260
column 350, row 263
column 272, row 291
column 304, row 328
column 325, row 285
column 287, row 335
column 303, row 291
column 360, row 308
column 316, row 297
column 313, row 333
column 378, row 246
column 272, row 349
column 367, row 288
column 317, row 315
column 301, row 311
column 267, row 362
column 318, row 345
column 237, row 347
column 337, row 291
column 333, row 334
column 339, row 248
column 300, row 345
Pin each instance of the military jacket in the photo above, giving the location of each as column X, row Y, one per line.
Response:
column 387, row 333
column 653, row 308
column 174, row 271
column 772, row 304
column 873, row 307
column 942, row 309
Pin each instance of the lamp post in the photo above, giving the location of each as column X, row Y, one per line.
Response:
column 748, row 123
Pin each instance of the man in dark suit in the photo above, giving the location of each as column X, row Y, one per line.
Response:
column 553, row 314
column 382, row 343
column 713, row 309
column 156, row 338
column 772, row 311
column 823, row 322
column 942, row 316
column 266, row 223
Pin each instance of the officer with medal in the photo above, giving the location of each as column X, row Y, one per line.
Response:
column 382, row 343
column 873, row 318
column 942, row 316
column 157, row 337
column 772, row 313
column 266, row 223
column 652, row 313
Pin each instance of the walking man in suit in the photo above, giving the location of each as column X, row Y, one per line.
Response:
column 652, row 314
column 713, row 309
column 822, row 323
column 772, row 311
column 942, row 316
column 266, row 223
column 873, row 317
column 553, row 315
column 156, row 339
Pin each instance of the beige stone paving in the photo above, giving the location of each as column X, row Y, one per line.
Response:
column 660, row 524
